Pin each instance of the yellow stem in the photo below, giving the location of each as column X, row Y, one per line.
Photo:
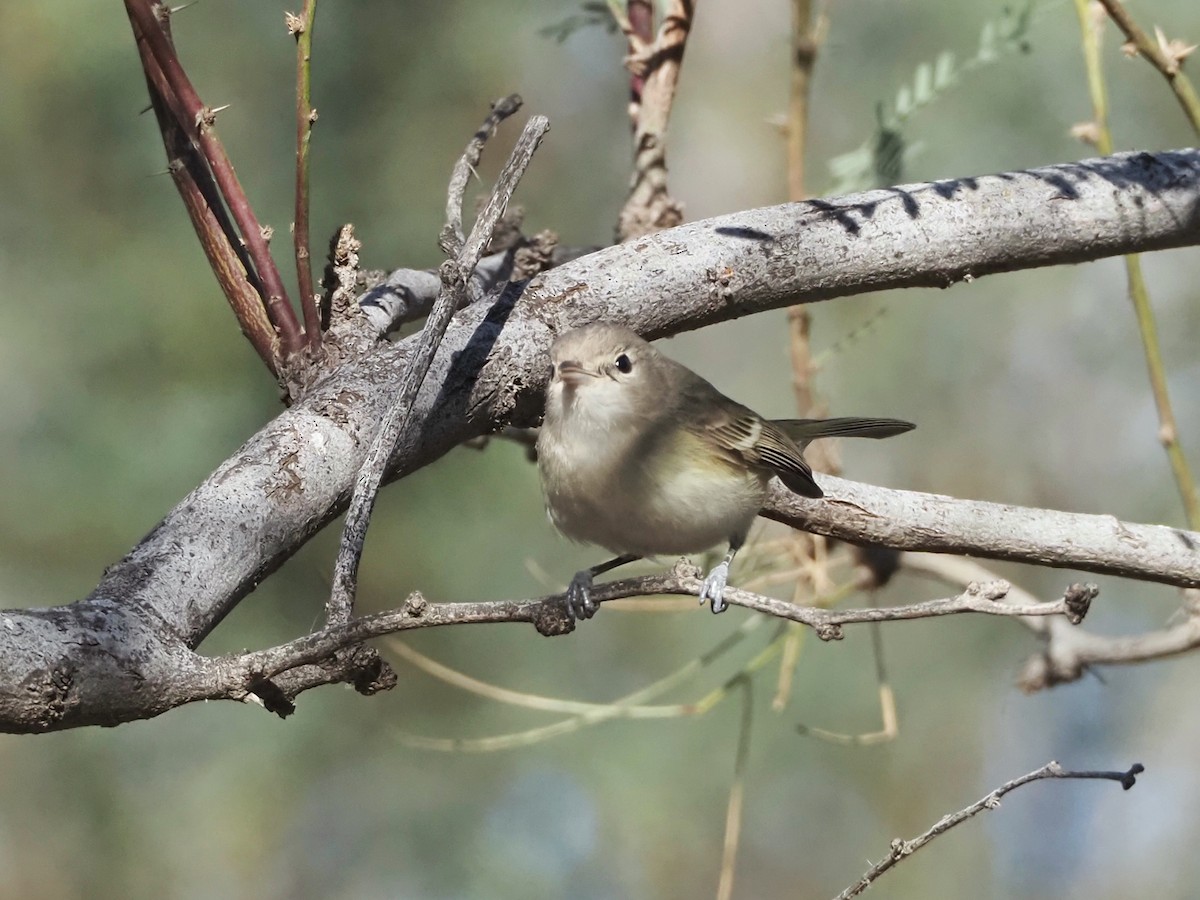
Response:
column 1168, row 432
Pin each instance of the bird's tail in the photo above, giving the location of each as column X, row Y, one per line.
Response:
column 802, row 431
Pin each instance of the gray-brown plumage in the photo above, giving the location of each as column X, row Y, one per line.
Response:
column 641, row 455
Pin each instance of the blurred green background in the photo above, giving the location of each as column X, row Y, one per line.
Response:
column 126, row 382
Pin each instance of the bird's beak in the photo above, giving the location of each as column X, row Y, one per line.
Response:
column 573, row 373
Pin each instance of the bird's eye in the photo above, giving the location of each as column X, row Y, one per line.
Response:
column 624, row 363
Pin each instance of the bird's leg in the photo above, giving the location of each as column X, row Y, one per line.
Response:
column 579, row 593
column 713, row 588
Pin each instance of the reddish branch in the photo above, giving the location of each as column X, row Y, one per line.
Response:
column 172, row 92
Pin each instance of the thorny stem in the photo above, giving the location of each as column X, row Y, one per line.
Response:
column 302, row 26
column 201, row 198
column 1168, row 431
column 1182, row 86
column 198, row 123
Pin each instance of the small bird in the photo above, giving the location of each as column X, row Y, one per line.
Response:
column 642, row 456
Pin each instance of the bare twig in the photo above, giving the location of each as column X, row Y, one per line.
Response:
column 901, row 849
column 959, row 571
column 583, row 715
column 1185, row 93
column 546, row 614
column 198, row 122
column 806, row 41
column 455, row 273
column 451, row 239
column 737, row 792
column 889, row 724
column 649, row 206
column 1069, row 652
column 1067, row 656
column 301, row 27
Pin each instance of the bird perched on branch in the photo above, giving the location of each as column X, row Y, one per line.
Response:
column 642, row 456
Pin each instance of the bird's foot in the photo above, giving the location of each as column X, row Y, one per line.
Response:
column 580, row 604
column 713, row 588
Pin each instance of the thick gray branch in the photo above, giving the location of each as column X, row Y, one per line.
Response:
column 292, row 477
column 907, row 520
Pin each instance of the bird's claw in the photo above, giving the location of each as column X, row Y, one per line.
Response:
column 713, row 588
column 580, row 604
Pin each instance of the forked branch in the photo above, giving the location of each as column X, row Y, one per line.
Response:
column 901, row 850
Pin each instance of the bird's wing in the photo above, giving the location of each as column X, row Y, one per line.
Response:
column 745, row 437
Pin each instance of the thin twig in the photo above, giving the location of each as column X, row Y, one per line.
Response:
column 1067, row 656
column 1182, row 86
column 889, row 725
column 806, row 40
column 631, row 706
column 546, row 614
column 301, row 27
column 737, row 793
column 901, row 849
column 1168, row 430
column 1069, row 652
column 451, row 239
column 624, row 707
column 198, row 122
column 455, row 273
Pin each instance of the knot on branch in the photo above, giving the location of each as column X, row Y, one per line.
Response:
column 274, row 698
column 364, row 669
column 829, row 632
column 1078, row 599
column 685, row 568
column 415, row 604
column 551, row 619
column 989, row 590
column 1129, row 779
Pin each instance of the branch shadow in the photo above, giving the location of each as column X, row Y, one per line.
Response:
column 1151, row 173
